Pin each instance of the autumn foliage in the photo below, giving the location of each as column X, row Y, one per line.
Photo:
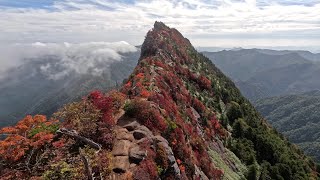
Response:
column 147, row 114
column 81, row 116
column 164, row 81
column 108, row 104
column 163, row 94
column 30, row 132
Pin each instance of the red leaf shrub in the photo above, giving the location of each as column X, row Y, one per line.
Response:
column 100, row 101
column 146, row 170
column 198, row 106
column 140, row 76
column 165, row 102
column 204, row 82
column 159, row 63
column 145, row 94
column 41, row 138
column 108, row 104
column 145, row 112
column 59, row 144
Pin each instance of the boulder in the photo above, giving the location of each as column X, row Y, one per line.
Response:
column 145, row 129
column 169, row 152
column 121, row 148
column 171, row 158
column 118, row 115
column 176, row 169
column 124, row 136
column 141, row 141
column 120, row 130
column 138, row 134
column 120, row 164
column 136, row 155
column 132, row 126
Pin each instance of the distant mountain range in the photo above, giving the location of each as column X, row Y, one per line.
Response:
column 297, row 117
column 261, row 73
column 305, row 54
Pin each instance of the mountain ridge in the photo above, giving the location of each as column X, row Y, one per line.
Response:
column 202, row 67
column 176, row 117
column 259, row 74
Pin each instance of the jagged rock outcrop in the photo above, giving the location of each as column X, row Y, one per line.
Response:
column 128, row 152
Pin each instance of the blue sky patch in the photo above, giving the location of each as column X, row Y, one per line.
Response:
column 44, row 4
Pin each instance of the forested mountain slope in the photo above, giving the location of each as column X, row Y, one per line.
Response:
column 297, row 117
column 265, row 73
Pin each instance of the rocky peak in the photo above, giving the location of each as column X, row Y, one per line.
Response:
column 160, row 26
column 163, row 39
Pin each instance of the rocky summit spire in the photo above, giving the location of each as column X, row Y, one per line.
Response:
column 158, row 25
column 161, row 38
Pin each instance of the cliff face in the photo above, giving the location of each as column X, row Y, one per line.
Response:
column 176, row 117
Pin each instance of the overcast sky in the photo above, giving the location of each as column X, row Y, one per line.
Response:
column 218, row 23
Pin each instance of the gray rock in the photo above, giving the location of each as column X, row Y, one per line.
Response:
column 171, row 158
column 195, row 113
column 221, row 146
column 199, row 173
column 140, row 141
column 136, row 155
column 145, row 129
column 176, row 169
column 132, row 126
column 158, row 138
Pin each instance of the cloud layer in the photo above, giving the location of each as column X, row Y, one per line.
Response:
column 205, row 22
column 58, row 60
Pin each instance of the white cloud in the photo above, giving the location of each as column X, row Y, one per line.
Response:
column 96, row 20
column 82, row 58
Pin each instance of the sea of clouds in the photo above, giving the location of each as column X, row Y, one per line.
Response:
column 81, row 58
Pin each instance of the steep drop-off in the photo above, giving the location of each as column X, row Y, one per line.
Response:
column 176, row 117
column 297, row 117
column 28, row 90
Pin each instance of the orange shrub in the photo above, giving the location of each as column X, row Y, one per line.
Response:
column 30, row 132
